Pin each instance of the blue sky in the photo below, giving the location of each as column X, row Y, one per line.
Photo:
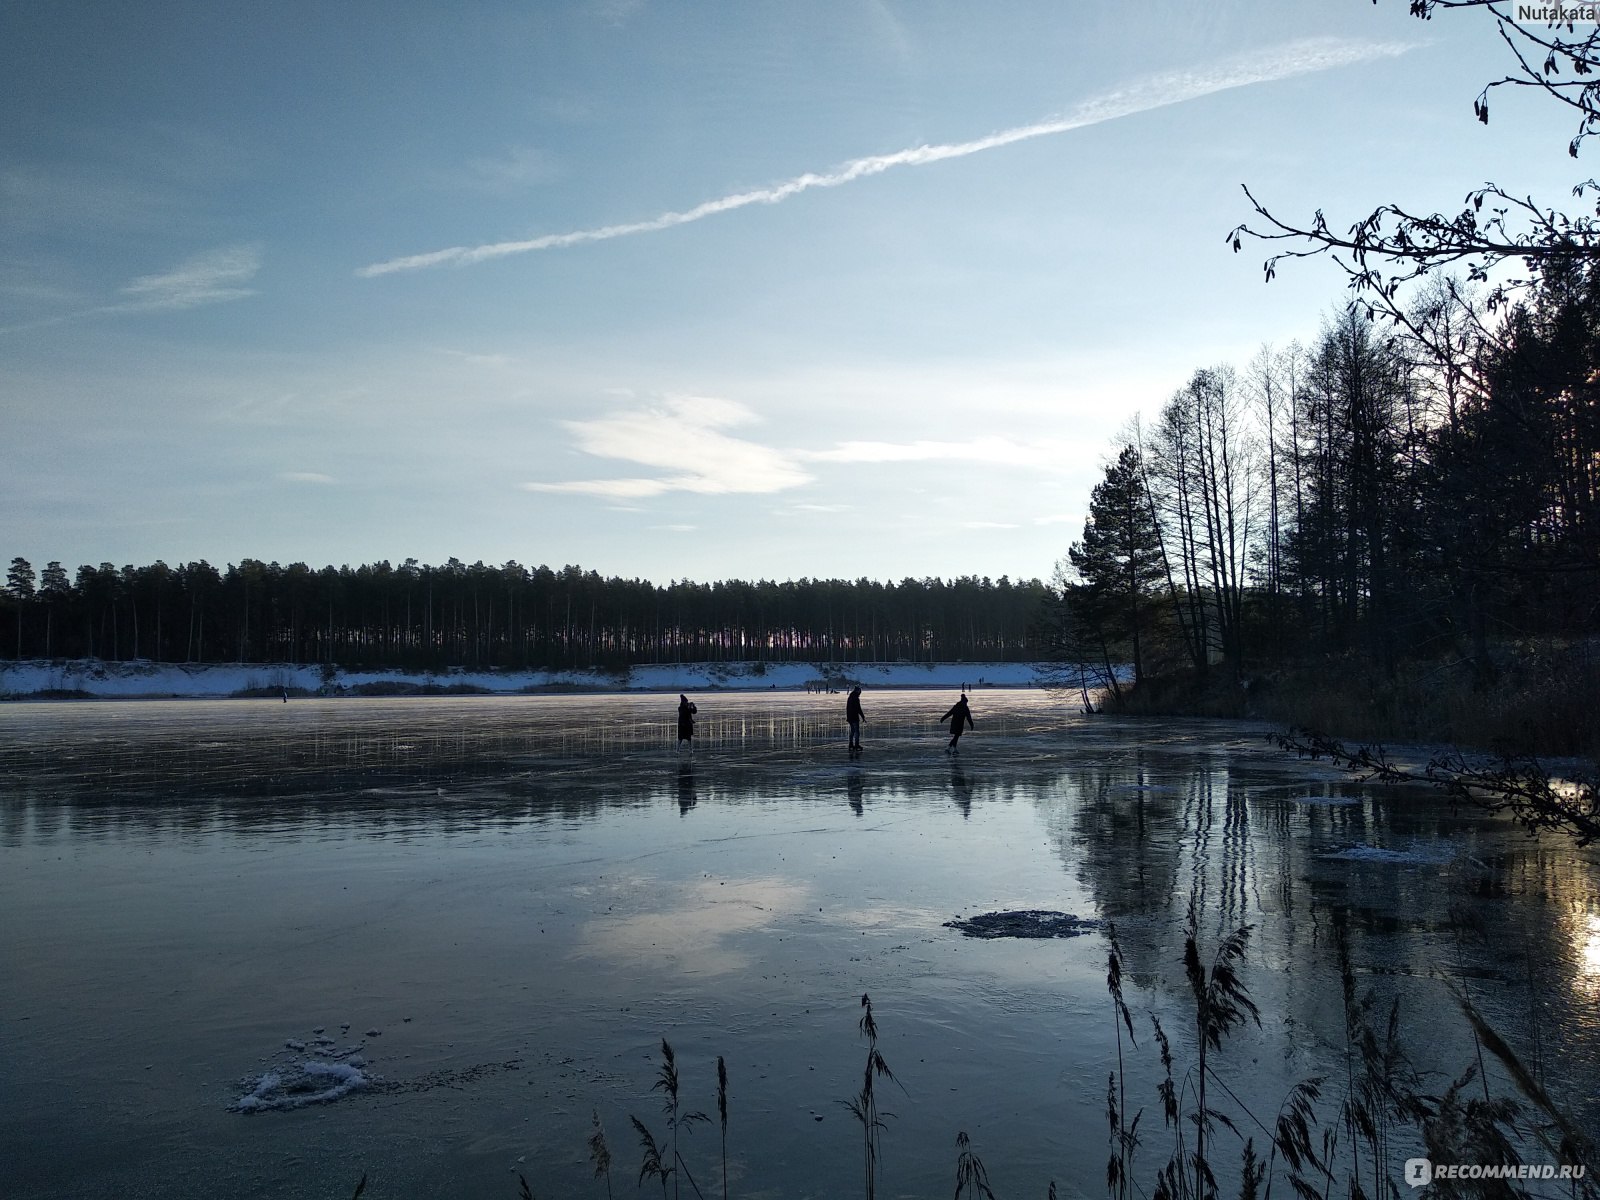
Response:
column 671, row 291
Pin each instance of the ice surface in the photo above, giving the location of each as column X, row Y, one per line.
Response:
column 540, row 889
column 1413, row 855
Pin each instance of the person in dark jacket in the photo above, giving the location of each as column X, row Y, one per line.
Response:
column 686, row 712
column 854, row 715
column 960, row 718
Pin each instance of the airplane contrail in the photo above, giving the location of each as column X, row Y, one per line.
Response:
column 1284, row 61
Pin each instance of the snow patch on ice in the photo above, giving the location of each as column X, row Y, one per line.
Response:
column 296, row 1085
column 144, row 678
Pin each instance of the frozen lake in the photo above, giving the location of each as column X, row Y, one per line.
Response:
column 488, row 912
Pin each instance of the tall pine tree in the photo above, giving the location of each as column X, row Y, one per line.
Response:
column 1119, row 559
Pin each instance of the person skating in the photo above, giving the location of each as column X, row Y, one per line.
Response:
column 686, row 712
column 854, row 715
column 960, row 718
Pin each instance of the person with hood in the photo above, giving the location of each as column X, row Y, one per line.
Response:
column 960, row 718
column 854, row 715
column 686, row 712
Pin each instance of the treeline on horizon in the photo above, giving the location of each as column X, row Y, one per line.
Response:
column 1396, row 493
column 1415, row 503
column 421, row 617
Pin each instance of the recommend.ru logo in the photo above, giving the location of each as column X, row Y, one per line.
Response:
column 1420, row 1172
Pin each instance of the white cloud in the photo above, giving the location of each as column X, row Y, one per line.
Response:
column 208, row 278
column 615, row 489
column 305, row 477
column 615, row 12
column 682, row 436
column 1282, row 61
column 479, row 360
column 66, row 197
column 519, row 168
column 996, row 450
column 988, row 525
column 204, row 279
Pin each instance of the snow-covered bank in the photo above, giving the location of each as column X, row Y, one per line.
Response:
column 128, row 680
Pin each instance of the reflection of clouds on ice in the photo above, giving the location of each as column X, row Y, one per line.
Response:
column 883, row 915
column 692, row 930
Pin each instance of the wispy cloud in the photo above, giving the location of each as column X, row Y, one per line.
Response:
column 305, row 477
column 62, row 197
column 479, row 360
column 517, row 169
column 208, row 278
column 995, row 450
column 615, row 12
column 684, row 437
column 1283, row 61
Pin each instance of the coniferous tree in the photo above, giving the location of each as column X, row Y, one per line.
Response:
column 19, row 582
column 55, row 589
column 1119, row 558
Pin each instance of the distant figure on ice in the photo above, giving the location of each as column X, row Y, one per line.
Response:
column 854, row 715
column 960, row 718
column 286, row 695
column 686, row 712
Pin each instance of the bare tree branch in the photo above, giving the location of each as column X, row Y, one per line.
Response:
column 1518, row 786
column 1392, row 247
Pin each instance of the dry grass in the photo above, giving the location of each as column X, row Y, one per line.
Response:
column 1324, row 1140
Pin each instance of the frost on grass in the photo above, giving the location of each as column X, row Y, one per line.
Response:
column 1025, row 923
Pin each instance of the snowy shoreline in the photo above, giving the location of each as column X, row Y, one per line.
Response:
column 94, row 679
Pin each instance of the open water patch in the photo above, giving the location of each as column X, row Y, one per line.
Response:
column 1026, row 923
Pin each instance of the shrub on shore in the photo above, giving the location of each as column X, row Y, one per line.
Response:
column 1540, row 702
